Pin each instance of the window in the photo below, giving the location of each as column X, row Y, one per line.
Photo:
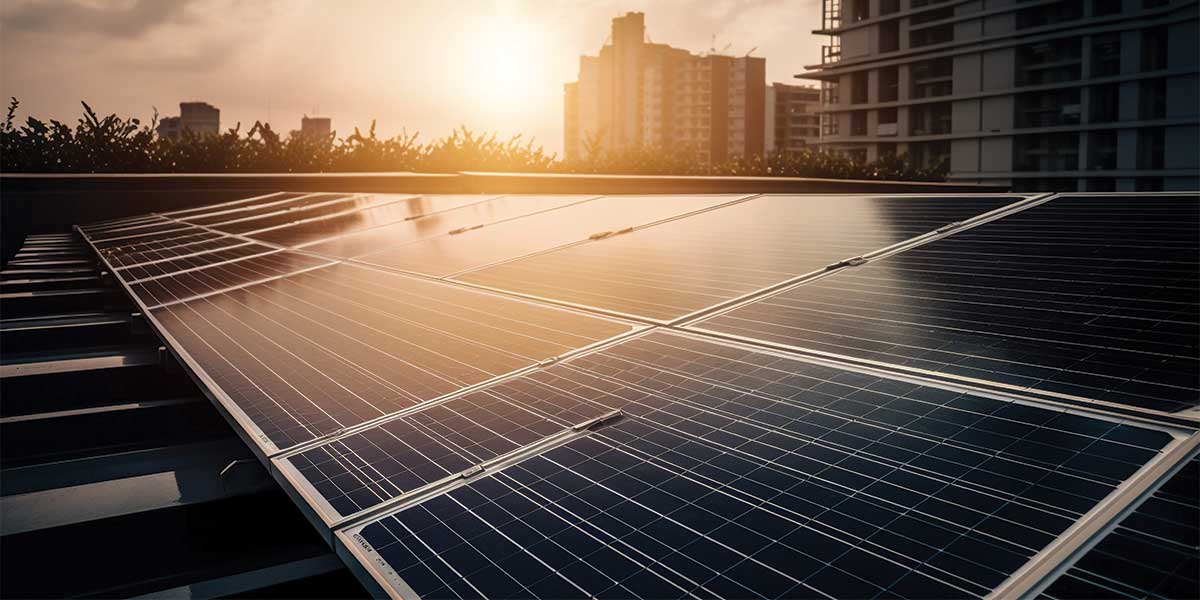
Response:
column 889, row 84
column 930, row 155
column 930, row 119
column 1046, row 152
column 933, row 78
column 1152, row 99
column 1049, row 62
column 1049, row 14
column 858, row 88
column 1104, row 103
column 887, row 7
column 1102, row 150
column 929, row 36
column 889, row 36
column 858, row 122
column 1106, row 55
column 1154, row 48
column 1151, row 148
column 1048, row 109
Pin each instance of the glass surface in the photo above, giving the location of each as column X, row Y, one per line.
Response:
column 741, row 474
column 232, row 204
column 115, row 236
column 1089, row 296
column 258, row 209
column 296, row 214
column 307, row 355
column 449, row 254
column 135, row 243
column 127, row 223
column 158, row 269
column 121, row 256
column 491, row 211
column 1151, row 554
column 410, row 208
column 218, row 277
column 363, row 470
column 675, row 268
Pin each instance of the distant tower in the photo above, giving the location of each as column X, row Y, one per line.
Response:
column 200, row 118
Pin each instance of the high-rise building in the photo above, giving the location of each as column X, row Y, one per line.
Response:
column 313, row 127
column 793, row 119
column 200, row 118
column 1063, row 95
column 634, row 93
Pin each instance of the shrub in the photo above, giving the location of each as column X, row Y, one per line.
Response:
column 115, row 145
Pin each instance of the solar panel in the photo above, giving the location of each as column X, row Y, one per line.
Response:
column 670, row 270
column 740, row 473
column 184, row 214
column 264, row 207
column 1089, row 296
column 903, row 426
column 1152, row 553
column 307, row 355
column 439, row 223
column 472, row 247
column 406, row 209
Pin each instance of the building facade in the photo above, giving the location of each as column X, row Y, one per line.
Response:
column 793, row 119
column 200, row 118
column 314, row 127
column 634, row 93
column 1040, row 95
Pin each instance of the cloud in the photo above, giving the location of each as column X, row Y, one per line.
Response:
column 127, row 20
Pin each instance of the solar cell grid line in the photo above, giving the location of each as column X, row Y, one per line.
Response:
column 261, row 208
column 222, row 277
column 644, row 526
column 193, row 262
column 677, row 268
column 123, row 224
column 471, row 247
column 311, row 354
column 184, row 213
column 328, row 227
column 126, row 256
column 1091, row 298
column 354, row 473
column 172, row 251
column 494, row 210
column 298, row 215
column 117, row 222
column 134, row 243
column 1152, row 553
column 862, row 518
column 132, row 235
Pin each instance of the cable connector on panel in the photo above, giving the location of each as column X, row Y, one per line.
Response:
column 471, row 472
column 601, row 235
column 464, row 229
column 948, row 227
column 849, row 262
column 547, row 362
column 598, row 421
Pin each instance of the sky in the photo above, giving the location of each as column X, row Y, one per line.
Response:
column 412, row 65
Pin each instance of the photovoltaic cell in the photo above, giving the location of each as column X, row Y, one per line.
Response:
column 313, row 211
column 140, row 242
column 269, row 206
column 738, row 473
column 412, row 207
column 310, row 354
column 194, row 261
column 125, row 256
column 439, row 223
column 1153, row 553
column 675, row 268
column 187, row 213
column 218, row 277
column 206, row 242
column 472, row 248
column 1090, row 296
column 360, row 471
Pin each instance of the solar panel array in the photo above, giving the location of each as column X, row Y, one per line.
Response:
column 712, row 395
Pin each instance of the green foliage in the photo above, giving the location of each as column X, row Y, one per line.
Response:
column 115, row 145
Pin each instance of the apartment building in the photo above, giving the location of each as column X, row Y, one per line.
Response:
column 635, row 93
column 200, row 118
column 793, row 120
column 1040, row 95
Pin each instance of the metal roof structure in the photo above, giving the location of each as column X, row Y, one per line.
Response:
column 904, row 395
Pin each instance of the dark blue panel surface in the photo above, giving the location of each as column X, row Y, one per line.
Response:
column 1089, row 296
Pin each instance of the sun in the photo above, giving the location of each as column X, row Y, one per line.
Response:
column 506, row 62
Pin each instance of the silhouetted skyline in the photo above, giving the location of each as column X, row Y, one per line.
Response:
column 427, row 66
